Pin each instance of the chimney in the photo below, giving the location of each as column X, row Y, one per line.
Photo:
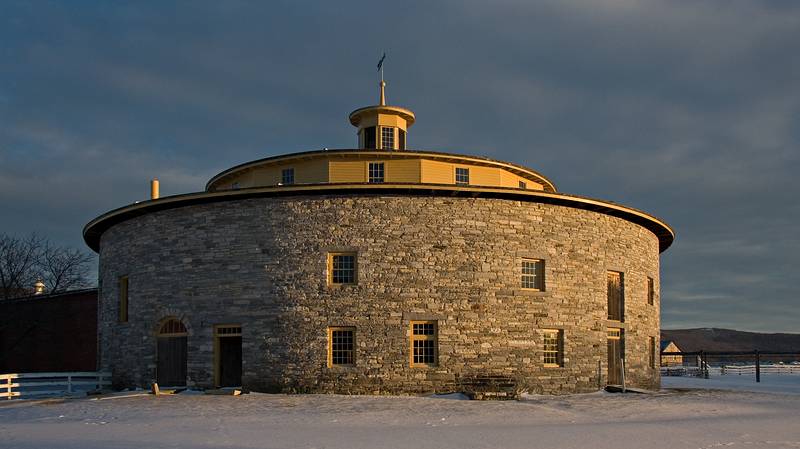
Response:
column 154, row 189
column 38, row 288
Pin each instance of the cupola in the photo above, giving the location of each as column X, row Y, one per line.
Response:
column 382, row 127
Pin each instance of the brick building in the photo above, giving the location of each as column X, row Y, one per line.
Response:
column 49, row 332
column 379, row 269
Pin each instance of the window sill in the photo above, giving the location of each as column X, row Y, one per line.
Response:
column 551, row 365
column 341, row 367
column 331, row 285
column 530, row 292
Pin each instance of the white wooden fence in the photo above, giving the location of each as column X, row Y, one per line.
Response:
column 730, row 370
column 765, row 369
column 51, row 384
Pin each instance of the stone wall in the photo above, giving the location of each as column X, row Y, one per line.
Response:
column 262, row 263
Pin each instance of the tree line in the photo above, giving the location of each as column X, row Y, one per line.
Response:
column 24, row 261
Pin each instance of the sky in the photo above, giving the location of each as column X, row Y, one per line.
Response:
column 686, row 110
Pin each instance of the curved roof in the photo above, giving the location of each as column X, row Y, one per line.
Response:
column 431, row 155
column 95, row 229
column 358, row 114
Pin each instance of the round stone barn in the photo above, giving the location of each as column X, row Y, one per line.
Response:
column 379, row 270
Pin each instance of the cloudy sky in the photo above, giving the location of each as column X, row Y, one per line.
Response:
column 687, row 110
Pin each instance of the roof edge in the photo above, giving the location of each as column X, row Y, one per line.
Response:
column 93, row 230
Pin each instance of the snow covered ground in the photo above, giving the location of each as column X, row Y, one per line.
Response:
column 682, row 417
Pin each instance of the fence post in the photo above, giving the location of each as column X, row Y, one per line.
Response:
column 69, row 384
column 8, row 382
column 702, row 366
column 758, row 366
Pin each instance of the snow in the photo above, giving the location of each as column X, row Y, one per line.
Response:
column 683, row 416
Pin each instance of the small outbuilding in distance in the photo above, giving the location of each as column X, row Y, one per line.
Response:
column 670, row 360
column 379, row 269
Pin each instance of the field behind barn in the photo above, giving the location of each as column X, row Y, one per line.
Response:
column 681, row 416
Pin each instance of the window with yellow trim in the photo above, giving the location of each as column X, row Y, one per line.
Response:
column 462, row 175
column 342, row 269
column 123, row 299
column 287, row 176
column 341, row 346
column 651, row 350
column 424, row 343
column 533, row 274
column 553, row 347
column 616, row 296
column 387, row 138
column 376, row 172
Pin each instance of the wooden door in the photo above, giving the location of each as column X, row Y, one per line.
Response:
column 230, row 361
column 171, row 353
column 171, row 366
column 616, row 352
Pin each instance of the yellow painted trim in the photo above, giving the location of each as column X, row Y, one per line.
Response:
column 331, row 155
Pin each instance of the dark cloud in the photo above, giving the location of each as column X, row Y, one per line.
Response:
column 687, row 110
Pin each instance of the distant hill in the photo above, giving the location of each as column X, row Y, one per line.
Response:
column 712, row 339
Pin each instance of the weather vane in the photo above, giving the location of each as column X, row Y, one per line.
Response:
column 380, row 64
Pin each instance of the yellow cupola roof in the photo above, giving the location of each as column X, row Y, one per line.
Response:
column 381, row 126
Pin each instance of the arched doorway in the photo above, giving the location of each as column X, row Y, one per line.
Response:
column 171, row 352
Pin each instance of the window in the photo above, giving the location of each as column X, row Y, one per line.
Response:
column 387, row 138
column 523, row 185
column 287, row 176
column 424, row 343
column 233, row 330
column 462, row 175
column 402, row 139
column 553, row 348
column 651, row 350
column 172, row 327
column 369, row 137
column 376, row 172
column 342, row 268
column 533, row 274
column 341, row 346
column 616, row 296
column 650, row 291
column 123, row 299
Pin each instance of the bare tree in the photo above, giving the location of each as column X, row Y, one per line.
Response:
column 26, row 260
column 18, row 264
column 62, row 268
